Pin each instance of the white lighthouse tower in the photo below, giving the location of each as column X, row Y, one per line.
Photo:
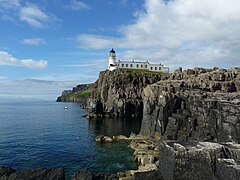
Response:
column 112, row 65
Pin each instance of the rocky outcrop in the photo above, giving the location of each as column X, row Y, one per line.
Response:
column 228, row 169
column 199, row 160
column 146, row 155
column 199, row 109
column 119, row 93
column 86, row 175
column 103, row 139
column 194, row 105
column 7, row 173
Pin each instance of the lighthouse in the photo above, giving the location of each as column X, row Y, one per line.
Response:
column 112, row 65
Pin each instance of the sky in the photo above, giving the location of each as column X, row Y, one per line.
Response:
column 48, row 46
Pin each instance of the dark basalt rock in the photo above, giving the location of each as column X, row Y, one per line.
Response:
column 7, row 173
column 154, row 175
column 119, row 93
column 228, row 169
column 82, row 175
column 86, row 175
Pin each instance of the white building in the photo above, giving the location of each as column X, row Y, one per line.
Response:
column 145, row 65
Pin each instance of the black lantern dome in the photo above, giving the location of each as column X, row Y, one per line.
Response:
column 112, row 51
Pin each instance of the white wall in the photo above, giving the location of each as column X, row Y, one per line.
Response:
column 140, row 65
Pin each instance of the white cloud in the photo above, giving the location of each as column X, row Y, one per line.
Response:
column 97, row 41
column 78, row 5
column 8, row 60
column 8, row 9
column 34, row 41
column 9, row 4
column 184, row 33
column 12, row 10
column 32, row 15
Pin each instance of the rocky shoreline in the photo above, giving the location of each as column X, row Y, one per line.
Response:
column 190, row 122
column 146, row 154
column 196, row 111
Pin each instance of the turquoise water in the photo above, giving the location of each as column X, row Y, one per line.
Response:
column 36, row 134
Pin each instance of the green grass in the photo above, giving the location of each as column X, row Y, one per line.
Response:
column 135, row 71
column 85, row 93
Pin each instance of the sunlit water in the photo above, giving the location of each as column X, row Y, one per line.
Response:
column 44, row 134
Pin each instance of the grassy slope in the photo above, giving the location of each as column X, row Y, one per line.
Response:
column 81, row 94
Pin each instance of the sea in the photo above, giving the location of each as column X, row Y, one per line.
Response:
column 45, row 134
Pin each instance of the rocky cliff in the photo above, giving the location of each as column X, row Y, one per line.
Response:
column 192, row 115
column 119, row 93
column 194, row 105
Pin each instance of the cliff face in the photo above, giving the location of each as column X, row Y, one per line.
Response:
column 197, row 104
column 119, row 93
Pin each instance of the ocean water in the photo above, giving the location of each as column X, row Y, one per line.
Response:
column 44, row 134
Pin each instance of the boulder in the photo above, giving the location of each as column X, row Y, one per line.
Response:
column 91, row 116
column 103, row 139
column 120, row 137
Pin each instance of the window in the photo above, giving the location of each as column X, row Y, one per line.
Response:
column 160, row 68
column 126, row 65
column 151, row 68
column 155, row 68
column 137, row 65
column 130, row 65
column 146, row 66
column 122, row 65
column 141, row 66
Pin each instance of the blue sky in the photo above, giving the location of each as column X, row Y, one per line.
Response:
column 48, row 46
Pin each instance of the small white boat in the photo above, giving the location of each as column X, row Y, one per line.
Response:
column 65, row 107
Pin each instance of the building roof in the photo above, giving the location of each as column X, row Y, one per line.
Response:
column 112, row 51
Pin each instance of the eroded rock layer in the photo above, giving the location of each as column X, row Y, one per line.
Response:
column 194, row 105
